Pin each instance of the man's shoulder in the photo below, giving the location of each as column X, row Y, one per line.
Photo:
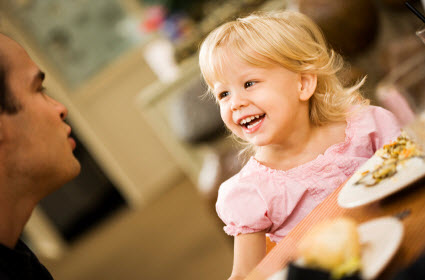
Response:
column 21, row 263
column 4, row 276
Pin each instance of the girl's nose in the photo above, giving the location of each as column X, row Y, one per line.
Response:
column 238, row 101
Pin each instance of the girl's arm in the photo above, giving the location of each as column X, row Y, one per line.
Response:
column 249, row 250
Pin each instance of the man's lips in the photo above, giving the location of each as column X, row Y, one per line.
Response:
column 70, row 139
column 72, row 142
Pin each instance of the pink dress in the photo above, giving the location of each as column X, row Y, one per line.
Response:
column 260, row 198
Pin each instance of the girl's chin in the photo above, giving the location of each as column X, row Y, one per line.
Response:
column 257, row 141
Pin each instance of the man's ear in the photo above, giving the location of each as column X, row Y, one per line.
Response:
column 1, row 129
column 308, row 85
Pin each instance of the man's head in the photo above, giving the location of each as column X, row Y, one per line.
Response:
column 35, row 144
column 8, row 103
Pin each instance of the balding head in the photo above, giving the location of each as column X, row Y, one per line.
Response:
column 8, row 103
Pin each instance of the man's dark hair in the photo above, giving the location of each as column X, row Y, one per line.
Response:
column 8, row 103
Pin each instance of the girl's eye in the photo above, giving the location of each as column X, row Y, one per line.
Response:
column 222, row 95
column 249, row 84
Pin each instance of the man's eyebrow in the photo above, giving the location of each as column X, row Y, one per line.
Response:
column 39, row 77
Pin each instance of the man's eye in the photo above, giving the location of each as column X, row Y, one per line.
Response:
column 42, row 89
column 249, row 84
column 222, row 95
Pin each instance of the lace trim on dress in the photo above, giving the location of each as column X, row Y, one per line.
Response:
column 234, row 230
column 335, row 148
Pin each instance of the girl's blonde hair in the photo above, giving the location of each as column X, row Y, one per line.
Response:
column 291, row 40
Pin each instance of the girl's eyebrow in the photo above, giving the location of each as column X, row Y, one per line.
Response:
column 216, row 93
column 217, row 88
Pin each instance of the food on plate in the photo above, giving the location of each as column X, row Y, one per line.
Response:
column 402, row 148
column 393, row 154
column 332, row 246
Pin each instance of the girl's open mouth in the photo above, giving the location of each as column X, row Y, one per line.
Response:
column 252, row 123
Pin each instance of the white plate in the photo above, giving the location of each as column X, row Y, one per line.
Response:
column 353, row 195
column 280, row 275
column 379, row 238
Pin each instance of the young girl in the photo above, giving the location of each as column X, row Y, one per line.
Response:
column 275, row 82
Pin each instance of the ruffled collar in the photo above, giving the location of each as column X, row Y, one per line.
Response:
column 336, row 148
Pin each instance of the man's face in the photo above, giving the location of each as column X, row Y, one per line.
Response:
column 36, row 140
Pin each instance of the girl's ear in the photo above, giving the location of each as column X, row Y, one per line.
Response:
column 307, row 86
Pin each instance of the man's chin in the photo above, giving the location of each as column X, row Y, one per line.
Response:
column 72, row 172
column 77, row 169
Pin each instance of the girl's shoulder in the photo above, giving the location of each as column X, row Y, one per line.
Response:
column 373, row 118
column 375, row 123
column 371, row 112
column 250, row 172
column 241, row 206
column 254, row 179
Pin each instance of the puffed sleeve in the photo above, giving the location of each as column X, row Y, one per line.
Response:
column 241, row 207
column 387, row 127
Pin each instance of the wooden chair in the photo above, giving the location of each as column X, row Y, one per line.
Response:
column 269, row 245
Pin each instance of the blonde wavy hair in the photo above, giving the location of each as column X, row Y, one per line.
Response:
column 289, row 39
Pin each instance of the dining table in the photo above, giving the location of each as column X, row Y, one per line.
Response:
column 407, row 204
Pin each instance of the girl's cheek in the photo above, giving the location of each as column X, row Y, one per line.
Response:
column 223, row 113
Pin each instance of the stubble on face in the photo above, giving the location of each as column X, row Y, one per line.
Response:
column 37, row 136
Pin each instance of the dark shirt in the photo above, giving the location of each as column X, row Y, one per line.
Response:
column 21, row 263
column 415, row 271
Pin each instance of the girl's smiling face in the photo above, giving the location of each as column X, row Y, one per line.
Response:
column 263, row 106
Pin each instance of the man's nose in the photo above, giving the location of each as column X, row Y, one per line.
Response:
column 62, row 110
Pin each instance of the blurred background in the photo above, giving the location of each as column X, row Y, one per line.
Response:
column 153, row 150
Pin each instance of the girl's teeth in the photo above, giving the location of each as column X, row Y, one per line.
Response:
column 249, row 119
column 253, row 124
